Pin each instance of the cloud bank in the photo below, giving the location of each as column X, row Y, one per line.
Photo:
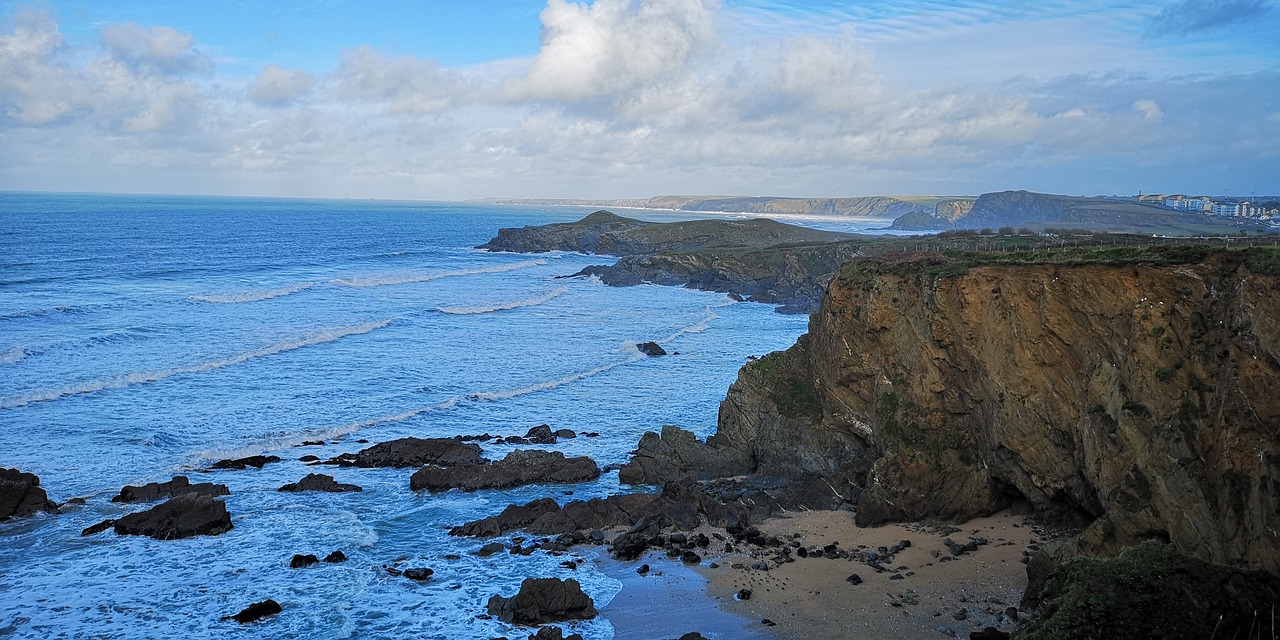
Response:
column 624, row 98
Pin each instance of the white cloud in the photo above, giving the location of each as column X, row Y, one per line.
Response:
column 157, row 48
column 1149, row 109
column 277, row 86
column 406, row 84
column 614, row 46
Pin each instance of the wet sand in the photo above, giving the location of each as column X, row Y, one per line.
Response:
column 811, row 598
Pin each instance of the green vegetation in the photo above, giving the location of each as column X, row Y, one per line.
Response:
column 1164, row 373
column 791, row 390
column 1152, row 591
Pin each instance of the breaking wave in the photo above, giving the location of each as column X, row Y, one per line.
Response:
column 504, row 306
column 13, row 355
column 253, row 296
column 143, row 377
column 424, row 277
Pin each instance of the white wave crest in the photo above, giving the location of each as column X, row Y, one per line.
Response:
column 143, row 377
column 13, row 355
column 424, row 277
column 253, row 296
column 504, row 306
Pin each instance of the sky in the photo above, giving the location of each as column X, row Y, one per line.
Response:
column 447, row 100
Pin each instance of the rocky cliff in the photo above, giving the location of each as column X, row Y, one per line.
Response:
column 1136, row 399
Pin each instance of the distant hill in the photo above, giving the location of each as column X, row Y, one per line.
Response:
column 1041, row 210
column 859, row 207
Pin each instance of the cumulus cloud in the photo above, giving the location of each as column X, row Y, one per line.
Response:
column 408, row 85
column 158, row 48
column 1191, row 16
column 614, row 46
column 277, row 86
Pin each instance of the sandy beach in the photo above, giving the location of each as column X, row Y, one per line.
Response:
column 917, row 596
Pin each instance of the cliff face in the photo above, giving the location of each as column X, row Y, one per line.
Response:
column 1139, row 399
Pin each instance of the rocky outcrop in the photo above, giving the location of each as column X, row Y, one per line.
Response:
column 179, row 485
column 651, row 349
column 185, row 516
column 516, row 469
column 320, row 482
column 413, row 452
column 793, row 277
column 605, row 233
column 256, row 611
column 21, row 495
column 241, row 464
column 1133, row 399
column 543, row 600
column 943, row 216
column 677, row 455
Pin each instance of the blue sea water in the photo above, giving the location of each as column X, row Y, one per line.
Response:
column 147, row 336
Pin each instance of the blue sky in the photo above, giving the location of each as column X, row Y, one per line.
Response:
column 625, row 98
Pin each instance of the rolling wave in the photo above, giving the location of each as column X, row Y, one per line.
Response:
column 253, row 296
column 143, row 377
column 424, row 277
column 13, row 355
column 504, row 306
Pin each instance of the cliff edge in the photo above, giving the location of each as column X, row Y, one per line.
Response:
column 1134, row 395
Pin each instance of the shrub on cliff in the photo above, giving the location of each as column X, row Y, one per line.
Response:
column 1152, row 591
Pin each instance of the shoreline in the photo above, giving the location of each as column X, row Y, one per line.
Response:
column 918, row 595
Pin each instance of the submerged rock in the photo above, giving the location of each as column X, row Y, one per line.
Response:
column 541, row 434
column 302, row 561
column 516, row 469
column 182, row 517
column 336, row 557
column 319, row 482
column 413, row 452
column 179, row 485
column 256, row 611
column 554, row 633
column 21, row 495
column 543, row 600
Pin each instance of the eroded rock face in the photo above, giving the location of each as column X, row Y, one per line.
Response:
column 1139, row 400
column 516, row 469
column 21, row 495
column 543, row 600
column 185, row 516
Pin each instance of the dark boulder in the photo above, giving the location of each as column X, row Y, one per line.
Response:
column 301, row 561
column 512, row 517
column 516, row 469
column 541, row 434
column 693, row 635
column 490, row 549
column 320, row 482
column 185, row 516
column 565, row 434
column 21, row 495
column 336, row 557
column 256, row 611
column 990, row 633
column 651, row 349
column 419, row 574
column 244, row 463
column 414, row 452
column 179, row 485
column 543, row 600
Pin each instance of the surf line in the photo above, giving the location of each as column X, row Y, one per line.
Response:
column 506, row 306
column 425, row 277
column 253, row 296
column 143, row 377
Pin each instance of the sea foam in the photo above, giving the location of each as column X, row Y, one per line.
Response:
column 384, row 280
column 253, row 296
column 505, row 306
column 143, row 377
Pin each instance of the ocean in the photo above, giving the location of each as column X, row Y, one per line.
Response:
column 143, row 337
